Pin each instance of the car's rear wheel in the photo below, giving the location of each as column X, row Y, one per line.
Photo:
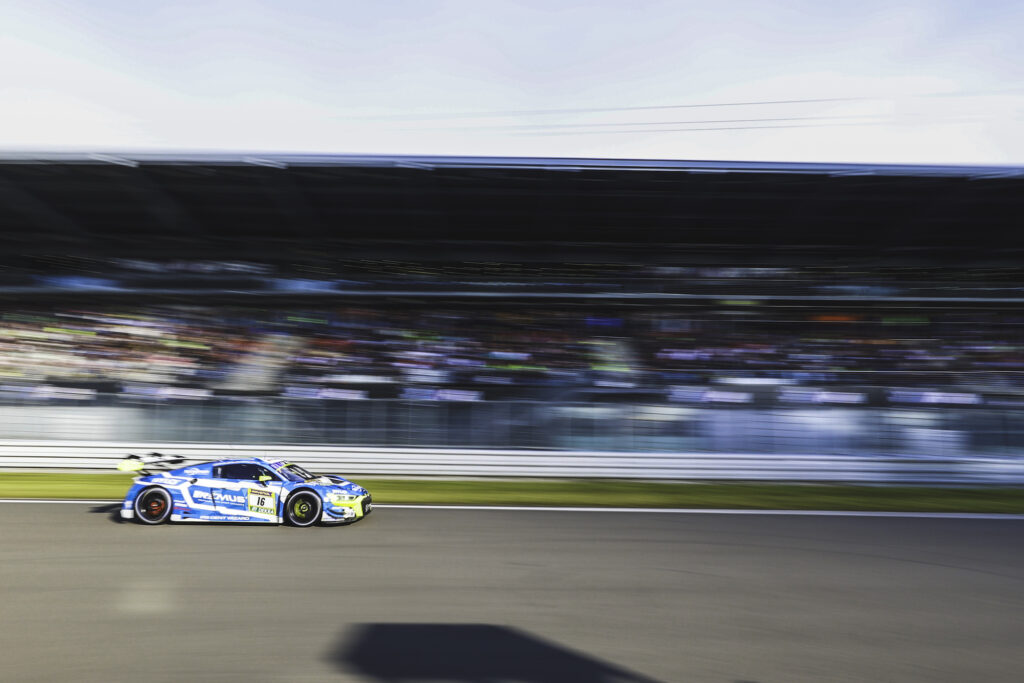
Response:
column 303, row 509
column 153, row 506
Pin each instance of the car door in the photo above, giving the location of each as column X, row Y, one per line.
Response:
column 263, row 496
column 241, row 496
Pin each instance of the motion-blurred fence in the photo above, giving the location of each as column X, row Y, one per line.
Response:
column 618, row 427
column 71, row 455
column 520, row 438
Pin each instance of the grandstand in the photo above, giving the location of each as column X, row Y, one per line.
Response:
column 310, row 286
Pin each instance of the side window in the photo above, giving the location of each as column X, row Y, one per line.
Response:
column 238, row 471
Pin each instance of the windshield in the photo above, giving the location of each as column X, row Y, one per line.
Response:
column 295, row 473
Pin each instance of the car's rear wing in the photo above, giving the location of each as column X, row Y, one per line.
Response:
column 151, row 461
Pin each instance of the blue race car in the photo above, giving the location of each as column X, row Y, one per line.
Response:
column 239, row 490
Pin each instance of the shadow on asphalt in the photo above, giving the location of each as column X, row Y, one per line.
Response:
column 468, row 653
column 112, row 510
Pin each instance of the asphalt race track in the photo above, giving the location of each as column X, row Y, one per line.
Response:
column 500, row 596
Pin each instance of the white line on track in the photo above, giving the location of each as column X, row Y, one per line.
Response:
column 711, row 511
column 58, row 502
column 670, row 511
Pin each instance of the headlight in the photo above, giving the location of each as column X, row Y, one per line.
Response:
column 339, row 498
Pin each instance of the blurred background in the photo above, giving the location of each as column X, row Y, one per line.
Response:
column 445, row 237
column 573, row 305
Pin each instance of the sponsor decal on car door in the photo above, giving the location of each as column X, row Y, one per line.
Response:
column 229, row 497
column 261, row 502
column 248, row 499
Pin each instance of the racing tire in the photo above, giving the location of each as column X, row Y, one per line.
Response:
column 303, row 509
column 153, row 506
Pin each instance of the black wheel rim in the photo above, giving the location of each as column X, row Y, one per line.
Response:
column 153, row 506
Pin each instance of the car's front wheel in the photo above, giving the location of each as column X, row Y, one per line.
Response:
column 303, row 509
column 153, row 506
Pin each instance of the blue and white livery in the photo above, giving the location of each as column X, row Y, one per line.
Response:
column 249, row 490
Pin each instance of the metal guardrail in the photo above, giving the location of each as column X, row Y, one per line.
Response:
column 430, row 462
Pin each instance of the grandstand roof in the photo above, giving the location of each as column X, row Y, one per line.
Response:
column 440, row 162
column 278, row 160
column 265, row 205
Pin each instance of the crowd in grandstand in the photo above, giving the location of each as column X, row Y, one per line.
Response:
column 300, row 352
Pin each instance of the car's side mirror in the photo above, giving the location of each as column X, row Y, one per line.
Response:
column 264, row 478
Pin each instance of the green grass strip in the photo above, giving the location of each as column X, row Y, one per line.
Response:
column 586, row 492
column 63, row 486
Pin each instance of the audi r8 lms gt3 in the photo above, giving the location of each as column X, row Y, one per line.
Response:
column 239, row 490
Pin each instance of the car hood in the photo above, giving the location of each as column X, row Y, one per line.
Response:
column 340, row 484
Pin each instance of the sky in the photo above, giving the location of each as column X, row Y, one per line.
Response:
column 788, row 80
